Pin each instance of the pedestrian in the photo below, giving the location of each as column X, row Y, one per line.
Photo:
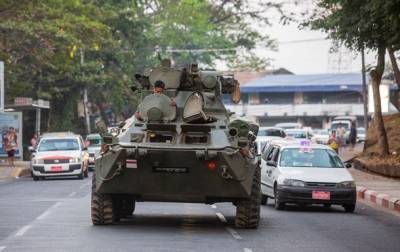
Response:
column 340, row 136
column 11, row 145
column 333, row 142
column 34, row 141
column 353, row 135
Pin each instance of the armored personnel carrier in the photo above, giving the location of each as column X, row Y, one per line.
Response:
column 182, row 145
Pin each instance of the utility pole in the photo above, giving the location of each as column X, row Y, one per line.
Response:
column 85, row 96
column 364, row 90
column 2, row 86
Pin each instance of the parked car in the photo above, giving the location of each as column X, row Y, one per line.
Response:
column 305, row 174
column 321, row 136
column 59, row 154
column 361, row 134
column 93, row 144
column 266, row 134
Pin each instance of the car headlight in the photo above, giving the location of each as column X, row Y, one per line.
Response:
column 293, row 182
column 75, row 160
column 36, row 161
column 346, row 184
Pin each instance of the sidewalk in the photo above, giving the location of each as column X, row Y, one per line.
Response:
column 382, row 191
column 20, row 169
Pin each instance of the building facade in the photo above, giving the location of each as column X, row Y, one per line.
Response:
column 312, row 100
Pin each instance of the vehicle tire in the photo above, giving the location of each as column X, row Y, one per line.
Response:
column 264, row 199
column 327, row 205
column 35, row 178
column 349, row 208
column 277, row 202
column 248, row 211
column 102, row 209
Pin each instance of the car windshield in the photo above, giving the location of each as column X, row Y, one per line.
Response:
column 271, row 132
column 296, row 134
column 335, row 126
column 58, row 144
column 93, row 142
column 309, row 157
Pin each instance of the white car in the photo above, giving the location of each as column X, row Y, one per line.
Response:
column 360, row 134
column 300, row 134
column 321, row 136
column 267, row 134
column 305, row 174
column 59, row 154
column 93, row 145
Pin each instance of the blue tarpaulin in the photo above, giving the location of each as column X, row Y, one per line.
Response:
column 305, row 83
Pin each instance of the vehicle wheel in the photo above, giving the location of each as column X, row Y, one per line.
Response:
column 102, row 209
column 327, row 205
column 35, row 178
column 349, row 208
column 264, row 199
column 278, row 204
column 248, row 211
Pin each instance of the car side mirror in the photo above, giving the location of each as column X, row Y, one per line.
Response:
column 348, row 165
column 271, row 163
column 85, row 148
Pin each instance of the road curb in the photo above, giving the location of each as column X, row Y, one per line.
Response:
column 380, row 199
column 21, row 172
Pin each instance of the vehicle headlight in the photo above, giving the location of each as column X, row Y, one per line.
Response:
column 75, row 160
column 346, row 184
column 293, row 182
column 36, row 161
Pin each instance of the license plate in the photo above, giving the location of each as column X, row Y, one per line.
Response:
column 171, row 169
column 56, row 168
column 131, row 163
column 321, row 195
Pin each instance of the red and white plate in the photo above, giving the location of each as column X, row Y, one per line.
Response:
column 56, row 168
column 321, row 195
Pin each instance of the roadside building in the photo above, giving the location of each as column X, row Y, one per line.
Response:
column 312, row 100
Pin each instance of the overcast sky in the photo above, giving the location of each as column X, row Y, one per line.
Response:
column 306, row 51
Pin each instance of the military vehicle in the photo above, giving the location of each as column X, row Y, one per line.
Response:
column 181, row 146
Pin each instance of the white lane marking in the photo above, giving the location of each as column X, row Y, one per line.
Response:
column 213, row 206
column 221, row 217
column 247, row 250
column 234, row 233
column 23, row 230
column 72, row 194
column 2, row 248
column 48, row 211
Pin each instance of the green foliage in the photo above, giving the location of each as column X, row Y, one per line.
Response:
column 55, row 48
column 359, row 23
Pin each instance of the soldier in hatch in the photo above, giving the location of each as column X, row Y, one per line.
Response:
column 159, row 87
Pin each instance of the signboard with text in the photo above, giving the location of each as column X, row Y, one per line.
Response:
column 7, row 120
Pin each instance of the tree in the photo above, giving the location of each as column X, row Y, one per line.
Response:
column 358, row 24
column 42, row 41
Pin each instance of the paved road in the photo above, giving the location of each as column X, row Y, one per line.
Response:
column 54, row 215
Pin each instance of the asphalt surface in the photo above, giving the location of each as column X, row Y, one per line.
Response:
column 54, row 215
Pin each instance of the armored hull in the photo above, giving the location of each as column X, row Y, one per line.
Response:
column 189, row 152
